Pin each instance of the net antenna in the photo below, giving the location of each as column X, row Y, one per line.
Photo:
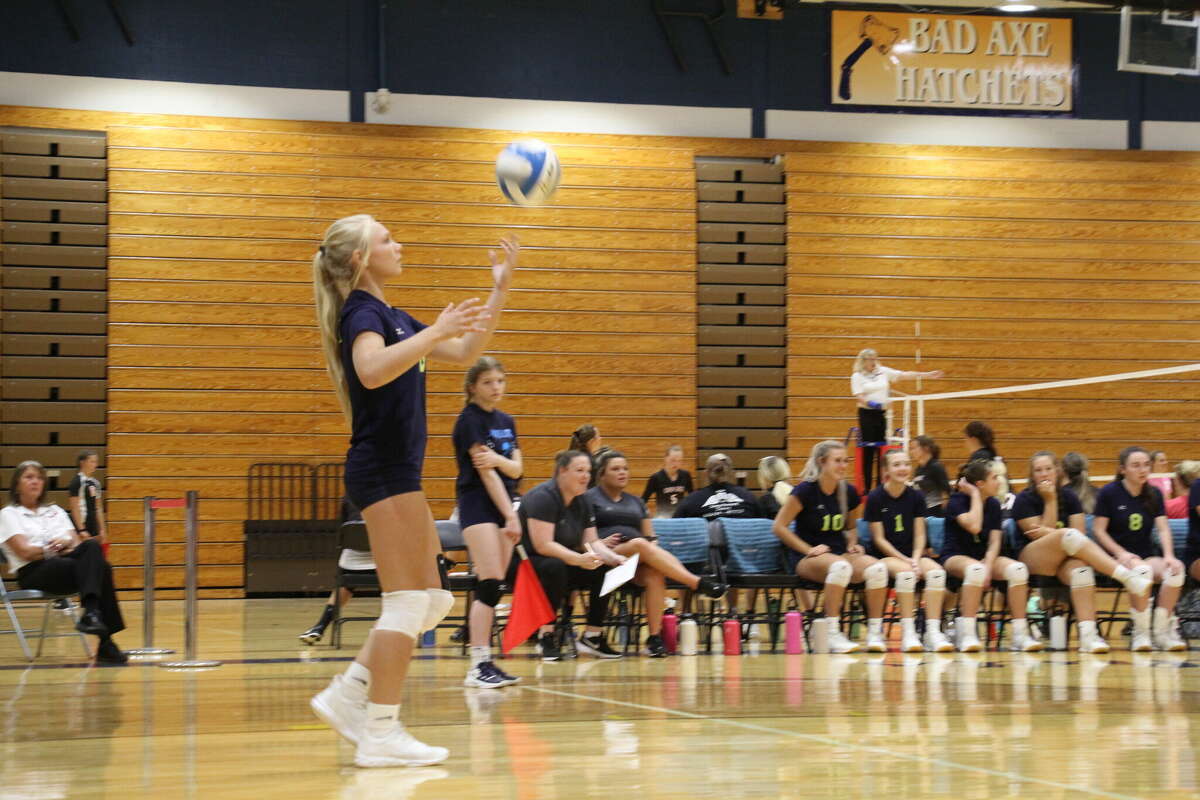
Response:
column 1162, row 42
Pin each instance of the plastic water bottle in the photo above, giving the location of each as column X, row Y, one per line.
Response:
column 793, row 622
column 818, row 636
column 670, row 631
column 1058, row 632
column 733, row 637
column 689, row 636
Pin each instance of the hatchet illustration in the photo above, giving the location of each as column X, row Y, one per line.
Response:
column 873, row 33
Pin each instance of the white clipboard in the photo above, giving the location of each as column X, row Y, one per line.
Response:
column 620, row 575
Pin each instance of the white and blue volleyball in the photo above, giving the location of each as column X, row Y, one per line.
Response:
column 528, row 172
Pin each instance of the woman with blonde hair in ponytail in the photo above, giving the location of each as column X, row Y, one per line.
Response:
column 775, row 480
column 824, row 546
column 376, row 356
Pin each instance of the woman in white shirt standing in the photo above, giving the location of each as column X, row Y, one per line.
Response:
column 870, row 383
column 41, row 546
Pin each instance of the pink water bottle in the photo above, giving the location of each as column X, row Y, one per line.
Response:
column 733, row 637
column 670, row 631
column 793, row 621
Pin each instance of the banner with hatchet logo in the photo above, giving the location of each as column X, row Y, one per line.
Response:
column 949, row 61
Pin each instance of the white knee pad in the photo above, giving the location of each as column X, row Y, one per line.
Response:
column 440, row 603
column 935, row 580
column 1017, row 574
column 906, row 583
column 875, row 576
column 839, row 573
column 975, row 575
column 1175, row 580
column 1073, row 541
column 1145, row 571
column 403, row 612
column 1082, row 577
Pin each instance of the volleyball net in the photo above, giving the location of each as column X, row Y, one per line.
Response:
column 914, row 407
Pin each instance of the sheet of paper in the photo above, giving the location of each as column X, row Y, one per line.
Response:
column 618, row 576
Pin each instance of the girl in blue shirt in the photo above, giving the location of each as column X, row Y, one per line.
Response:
column 1128, row 511
column 1051, row 522
column 375, row 355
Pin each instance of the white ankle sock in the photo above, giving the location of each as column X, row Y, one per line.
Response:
column 1162, row 619
column 381, row 718
column 875, row 626
column 832, row 626
column 357, row 679
column 933, row 625
column 1020, row 627
column 966, row 625
column 1087, row 627
column 908, row 626
column 1141, row 620
column 480, row 655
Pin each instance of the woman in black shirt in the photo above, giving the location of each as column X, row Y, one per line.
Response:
column 624, row 525
column 929, row 476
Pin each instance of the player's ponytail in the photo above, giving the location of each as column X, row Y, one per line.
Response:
column 335, row 275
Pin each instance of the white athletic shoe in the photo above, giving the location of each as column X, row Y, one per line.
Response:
column 968, row 642
column 1141, row 642
column 838, row 643
column 339, row 712
column 911, row 643
column 1024, row 643
column 1169, row 641
column 397, row 748
column 876, row 643
column 1092, row 643
column 938, row 642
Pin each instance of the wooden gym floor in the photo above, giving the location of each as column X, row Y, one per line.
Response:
column 1054, row 725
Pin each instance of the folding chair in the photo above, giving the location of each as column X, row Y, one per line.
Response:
column 451, row 538
column 755, row 561
column 9, row 597
column 352, row 535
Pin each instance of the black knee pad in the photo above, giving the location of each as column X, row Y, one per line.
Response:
column 487, row 591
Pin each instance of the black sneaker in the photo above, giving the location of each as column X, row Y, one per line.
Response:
column 485, row 676
column 508, row 679
column 548, row 644
column 594, row 644
column 710, row 588
column 91, row 623
column 313, row 634
column 655, row 647
column 109, row 653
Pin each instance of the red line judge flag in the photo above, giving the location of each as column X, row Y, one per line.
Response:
column 530, row 608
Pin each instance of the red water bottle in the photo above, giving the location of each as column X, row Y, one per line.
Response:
column 733, row 637
column 670, row 631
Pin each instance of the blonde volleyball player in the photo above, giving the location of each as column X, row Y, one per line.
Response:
column 1128, row 511
column 825, row 548
column 1051, row 521
column 896, row 515
column 971, row 551
column 376, row 355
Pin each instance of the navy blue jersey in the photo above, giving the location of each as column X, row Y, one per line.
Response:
column 1131, row 519
column 1193, row 542
column 1030, row 504
column 958, row 541
column 494, row 429
column 822, row 519
column 623, row 516
column 897, row 515
column 388, row 425
column 545, row 502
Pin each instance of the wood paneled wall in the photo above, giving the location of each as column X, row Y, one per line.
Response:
column 1000, row 267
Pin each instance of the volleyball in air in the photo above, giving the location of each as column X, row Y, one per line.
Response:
column 528, row 172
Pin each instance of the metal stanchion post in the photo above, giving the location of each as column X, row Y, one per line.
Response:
column 148, row 648
column 189, row 621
